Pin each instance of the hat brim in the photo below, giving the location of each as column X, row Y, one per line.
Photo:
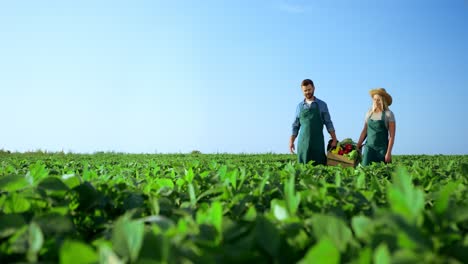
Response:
column 383, row 93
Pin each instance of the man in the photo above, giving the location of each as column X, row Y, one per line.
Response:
column 311, row 114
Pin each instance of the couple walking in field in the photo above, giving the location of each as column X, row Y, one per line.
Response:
column 312, row 114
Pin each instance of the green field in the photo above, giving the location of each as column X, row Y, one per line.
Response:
column 199, row 208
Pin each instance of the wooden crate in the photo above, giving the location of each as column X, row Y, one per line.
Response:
column 335, row 159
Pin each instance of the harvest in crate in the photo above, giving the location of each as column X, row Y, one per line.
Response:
column 347, row 148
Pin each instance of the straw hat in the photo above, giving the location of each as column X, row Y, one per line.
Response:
column 383, row 93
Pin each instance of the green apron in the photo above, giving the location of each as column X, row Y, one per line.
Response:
column 377, row 141
column 311, row 145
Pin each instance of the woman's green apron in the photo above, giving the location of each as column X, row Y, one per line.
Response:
column 377, row 141
column 311, row 144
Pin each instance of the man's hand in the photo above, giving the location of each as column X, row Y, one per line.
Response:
column 291, row 147
column 334, row 140
column 291, row 143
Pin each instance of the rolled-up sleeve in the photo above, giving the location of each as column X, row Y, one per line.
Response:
column 296, row 124
column 327, row 118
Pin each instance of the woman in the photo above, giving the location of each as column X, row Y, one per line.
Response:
column 379, row 128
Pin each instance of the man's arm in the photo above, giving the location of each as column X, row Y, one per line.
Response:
column 329, row 124
column 295, row 130
column 334, row 140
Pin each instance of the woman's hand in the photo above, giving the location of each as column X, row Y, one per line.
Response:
column 359, row 147
column 388, row 157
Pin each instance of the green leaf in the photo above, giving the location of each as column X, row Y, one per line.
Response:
column 54, row 223
column 365, row 256
column 71, row 180
column 205, row 174
column 222, row 171
column 261, row 187
column 180, row 182
column 165, row 182
column 251, row 214
column 192, row 195
column 212, row 191
column 292, row 198
column 88, row 196
column 161, row 222
column 267, row 236
column 10, row 223
column 442, row 200
column 338, row 178
column 35, row 241
column 212, row 216
column 36, row 238
column 363, row 227
column 106, row 255
column 216, row 213
column 375, row 184
column 404, row 198
column 12, row 183
column 88, row 175
column 464, row 168
column 133, row 201
column 382, row 255
column 16, row 203
column 409, row 235
column 127, row 237
column 164, row 186
column 326, row 226
column 189, row 175
column 404, row 256
column 28, row 240
column 19, row 241
column 297, row 238
column 323, row 252
column 52, row 184
column 154, row 205
column 77, row 252
column 460, row 214
column 361, row 181
column 36, row 172
column 279, row 210
column 155, row 249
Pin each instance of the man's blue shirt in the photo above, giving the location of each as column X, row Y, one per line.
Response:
column 324, row 113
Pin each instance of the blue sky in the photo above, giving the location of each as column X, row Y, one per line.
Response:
column 224, row 76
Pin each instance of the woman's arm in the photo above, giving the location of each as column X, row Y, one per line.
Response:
column 391, row 140
column 362, row 136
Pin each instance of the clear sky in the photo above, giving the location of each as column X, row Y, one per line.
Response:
column 151, row 76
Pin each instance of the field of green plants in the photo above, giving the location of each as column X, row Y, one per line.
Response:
column 124, row 208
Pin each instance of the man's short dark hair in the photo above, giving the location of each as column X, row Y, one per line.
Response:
column 307, row 82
